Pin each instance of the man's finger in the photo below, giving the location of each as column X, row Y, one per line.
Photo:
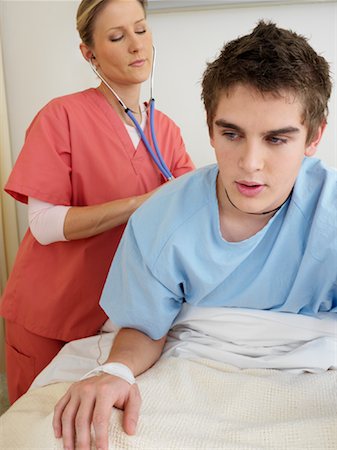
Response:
column 132, row 410
column 83, row 421
column 101, row 417
column 68, row 422
column 58, row 411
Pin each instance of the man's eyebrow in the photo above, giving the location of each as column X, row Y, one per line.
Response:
column 224, row 124
column 285, row 130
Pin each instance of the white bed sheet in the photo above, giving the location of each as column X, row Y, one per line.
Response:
column 243, row 338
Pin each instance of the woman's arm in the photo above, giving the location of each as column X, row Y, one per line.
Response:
column 91, row 400
column 86, row 221
column 56, row 223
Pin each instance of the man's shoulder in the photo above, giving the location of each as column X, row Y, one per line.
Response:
column 315, row 165
column 178, row 199
column 315, row 196
column 174, row 205
column 318, row 180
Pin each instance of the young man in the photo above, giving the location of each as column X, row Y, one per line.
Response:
column 257, row 230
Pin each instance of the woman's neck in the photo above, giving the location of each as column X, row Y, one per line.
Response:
column 130, row 97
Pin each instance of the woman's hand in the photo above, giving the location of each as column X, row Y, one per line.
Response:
column 90, row 401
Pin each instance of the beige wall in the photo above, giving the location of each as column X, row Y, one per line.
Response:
column 2, row 349
column 9, row 236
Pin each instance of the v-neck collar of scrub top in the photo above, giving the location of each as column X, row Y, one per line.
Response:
column 118, row 126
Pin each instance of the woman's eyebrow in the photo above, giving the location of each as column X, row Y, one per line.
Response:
column 121, row 26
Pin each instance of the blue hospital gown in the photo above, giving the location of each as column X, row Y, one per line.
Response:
column 172, row 252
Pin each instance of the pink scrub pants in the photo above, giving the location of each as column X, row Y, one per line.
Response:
column 27, row 354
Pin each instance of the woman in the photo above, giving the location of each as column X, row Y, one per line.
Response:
column 83, row 171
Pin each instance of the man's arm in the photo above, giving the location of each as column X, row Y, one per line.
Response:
column 91, row 400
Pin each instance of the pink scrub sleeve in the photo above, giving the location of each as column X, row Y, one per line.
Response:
column 42, row 169
column 183, row 162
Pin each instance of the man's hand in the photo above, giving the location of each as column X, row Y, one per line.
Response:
column 90, row 401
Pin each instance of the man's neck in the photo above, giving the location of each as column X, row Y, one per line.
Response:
column 235, row 229
column 236, row 225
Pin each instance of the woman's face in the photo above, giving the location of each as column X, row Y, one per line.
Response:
column 122, row 43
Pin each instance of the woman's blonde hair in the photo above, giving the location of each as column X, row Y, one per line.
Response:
column 87, row 12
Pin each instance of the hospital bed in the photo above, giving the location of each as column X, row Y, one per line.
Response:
column 196, row 397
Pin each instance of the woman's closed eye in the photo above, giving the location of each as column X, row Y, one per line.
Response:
column 120, row 36
column 116, row 38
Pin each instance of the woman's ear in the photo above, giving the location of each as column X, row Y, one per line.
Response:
column 312, row 147
column 86, row 52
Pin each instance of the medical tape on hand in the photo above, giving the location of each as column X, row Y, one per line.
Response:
column 115, row 369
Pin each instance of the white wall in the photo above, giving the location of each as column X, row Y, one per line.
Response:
column 42, row 60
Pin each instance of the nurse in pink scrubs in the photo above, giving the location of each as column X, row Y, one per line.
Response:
column 83, row 170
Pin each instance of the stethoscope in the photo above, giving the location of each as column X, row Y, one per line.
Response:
column 155, row 153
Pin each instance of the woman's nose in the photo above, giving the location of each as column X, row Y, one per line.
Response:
column 136, row 43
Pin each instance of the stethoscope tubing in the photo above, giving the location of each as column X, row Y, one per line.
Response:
column 155, row 143
column 156, row 153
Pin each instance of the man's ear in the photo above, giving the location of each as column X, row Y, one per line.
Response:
column 211, row 135
column 312, row 147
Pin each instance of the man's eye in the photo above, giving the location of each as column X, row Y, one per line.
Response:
column 230, row 135
column 277, row 140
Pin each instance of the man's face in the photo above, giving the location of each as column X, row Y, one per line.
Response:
column 259, row 142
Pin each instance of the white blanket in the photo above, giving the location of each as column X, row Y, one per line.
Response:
column 198, row 399
column 244, row 338
column 200, row 404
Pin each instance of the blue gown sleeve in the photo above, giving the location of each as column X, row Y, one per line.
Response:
column 133, row 297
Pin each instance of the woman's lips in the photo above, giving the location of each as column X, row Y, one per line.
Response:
column 138, row 63
column 249, row 189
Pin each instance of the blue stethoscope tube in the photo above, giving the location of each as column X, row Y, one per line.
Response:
column 155, row 153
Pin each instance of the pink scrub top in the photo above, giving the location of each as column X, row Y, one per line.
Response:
column 78, row 152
